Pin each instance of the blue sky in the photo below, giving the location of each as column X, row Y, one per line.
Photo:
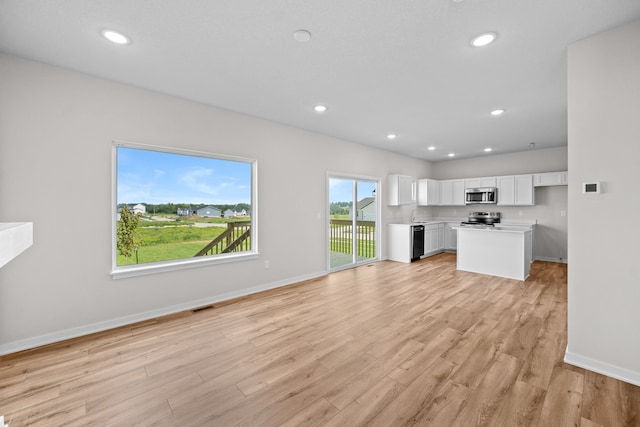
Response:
column 155, row 177
column 340, row 190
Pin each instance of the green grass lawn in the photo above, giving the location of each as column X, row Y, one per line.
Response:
column 154, row 236
column 164, row 252
column 366, row 249
column 169, row 243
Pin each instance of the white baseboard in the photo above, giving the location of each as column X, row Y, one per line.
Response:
column 603, row 368
column 552, row 259
column 66, row 334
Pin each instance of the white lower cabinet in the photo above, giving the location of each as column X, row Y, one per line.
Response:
column 433, row 238
column 399, row 242
column 451, row 236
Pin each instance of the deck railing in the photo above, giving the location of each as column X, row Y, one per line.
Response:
column 341, row 237
column 236, row 238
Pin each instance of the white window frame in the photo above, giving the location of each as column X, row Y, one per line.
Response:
column 119, row 272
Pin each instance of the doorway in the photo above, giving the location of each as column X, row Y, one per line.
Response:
column 353, row 221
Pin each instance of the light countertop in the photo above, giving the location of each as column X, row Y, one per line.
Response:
column 15, row 238
column 498, row 229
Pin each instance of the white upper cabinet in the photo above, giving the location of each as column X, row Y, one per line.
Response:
column 506, row 190
column 400, row 190
column 515, row 190
column 452, row 192
column 524, row 190
column 550, row 178
column 489, row 181
column 428, row 192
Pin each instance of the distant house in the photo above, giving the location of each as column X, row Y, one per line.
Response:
column 134, row 209
column 229, row 213
column 366, row 209
column 209, row 212
column 242, row 213
column 139, row 208
column 187, row 211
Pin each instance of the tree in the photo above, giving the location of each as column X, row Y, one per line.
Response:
column 128, row 237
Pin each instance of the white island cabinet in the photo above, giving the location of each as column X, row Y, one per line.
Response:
column 498, row 252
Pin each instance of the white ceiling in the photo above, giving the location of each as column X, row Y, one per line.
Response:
column 380, row 66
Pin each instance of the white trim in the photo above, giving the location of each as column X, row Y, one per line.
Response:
column 118, row 272
column 123, row 272
column 603, row 368
column 79, row 331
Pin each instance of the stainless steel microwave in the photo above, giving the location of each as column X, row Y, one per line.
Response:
column 481, row 195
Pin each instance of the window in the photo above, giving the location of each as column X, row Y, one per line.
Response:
column 176, row 209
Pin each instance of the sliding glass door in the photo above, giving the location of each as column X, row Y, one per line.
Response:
column 353, row 221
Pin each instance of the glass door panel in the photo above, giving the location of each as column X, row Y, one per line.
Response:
column 353, row 214
column 366, row 220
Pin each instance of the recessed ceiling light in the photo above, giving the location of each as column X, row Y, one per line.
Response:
column 488, row 150
column 497, row 112
column 451, row 154
column 391, row 136
column 115, row 37
column 431, row 148
column 320, row 108
column 483, row 39
column 302, row 36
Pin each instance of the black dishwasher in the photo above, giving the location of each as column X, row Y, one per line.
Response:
column 417, row 239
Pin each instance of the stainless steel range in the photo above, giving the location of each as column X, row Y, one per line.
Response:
column 481, row 219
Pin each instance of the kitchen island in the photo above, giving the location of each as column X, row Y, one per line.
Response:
column 499, row 251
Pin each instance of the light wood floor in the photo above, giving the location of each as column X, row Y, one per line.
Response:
column 380, row 345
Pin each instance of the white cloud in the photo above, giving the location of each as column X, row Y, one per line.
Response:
column 201, row 180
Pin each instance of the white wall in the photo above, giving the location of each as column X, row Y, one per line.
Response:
column 604, row 145
column 56, row 129
column 551, row 232
column 547, row 160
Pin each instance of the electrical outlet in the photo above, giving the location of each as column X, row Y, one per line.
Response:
column 266, row 264
column 520, row 213
column 563, row 213
column 455, row 211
